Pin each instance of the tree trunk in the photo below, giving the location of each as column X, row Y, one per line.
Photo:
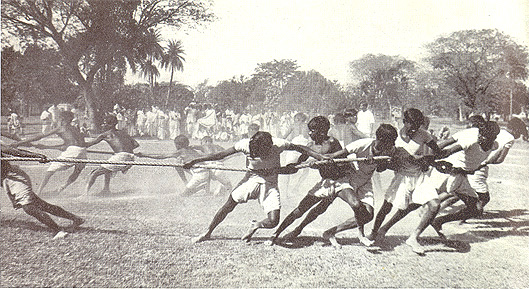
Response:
column 86, row 92
column 169, row 90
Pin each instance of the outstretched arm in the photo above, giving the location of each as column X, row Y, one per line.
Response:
column 444, row 143
column 21, row 153
column 97, row 140
column 307, row 151
column 211, row 157
column 35, row 137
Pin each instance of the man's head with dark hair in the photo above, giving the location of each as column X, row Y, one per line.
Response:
column 318, row 128
column 386, row 135
column 363, row 106
column 66, row 116
column 487, row 134
column 476, row 121
column 339, row 118
column 413, row 118
column 261, row 144
column 181, row 141
column 109, row 121
column 252, row 129
column 517, row 127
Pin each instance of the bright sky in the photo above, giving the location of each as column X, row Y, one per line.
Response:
column 327, row 35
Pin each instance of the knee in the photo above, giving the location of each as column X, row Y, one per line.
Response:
column 31, row 209
column 273, row 218
column 386, row 207
column 297, row 213
column 433, row 205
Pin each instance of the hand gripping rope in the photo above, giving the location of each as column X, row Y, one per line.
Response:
column 167, row 164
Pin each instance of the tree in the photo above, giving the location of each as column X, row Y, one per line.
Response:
column 34, row 79
column 173, row 60
column 309, row 91
column 383, row 80
column 270, row 78
column 480, row 66
column 90, row 34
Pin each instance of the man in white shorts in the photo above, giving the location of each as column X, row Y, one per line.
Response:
column 123, row 146
column 75, row 148
column 335, row 178
column 505, row 139
column 466, row 150
column 409, row 174
column 18, row 187
column 263, row 155
column 360, row 197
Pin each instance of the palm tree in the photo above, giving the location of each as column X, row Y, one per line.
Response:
column 150, row 71
column 173, row 59
column 148, row 49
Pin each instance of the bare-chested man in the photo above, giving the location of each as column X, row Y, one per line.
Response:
column 184, row 153
column 74, row 148
column 123, row 146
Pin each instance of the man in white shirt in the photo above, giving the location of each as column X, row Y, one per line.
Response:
column 263, row 158
column 505, row 139
column 466, row 150
column 365, row 120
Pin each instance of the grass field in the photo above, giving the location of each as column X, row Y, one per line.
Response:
column 140, row 236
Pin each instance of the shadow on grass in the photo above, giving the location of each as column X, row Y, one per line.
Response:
column 38, row 227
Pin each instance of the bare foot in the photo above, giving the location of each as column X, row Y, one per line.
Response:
column 415, row 246
column 104, row 192
column 200, row 238
column 271, row 241
column 365, row 241
column 438, row 227
column 60, row 235
column 76, row 223
column 251, row 231
column 292, row 235
column 331, row 239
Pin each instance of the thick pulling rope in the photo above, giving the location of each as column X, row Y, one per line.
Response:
column 166, row 164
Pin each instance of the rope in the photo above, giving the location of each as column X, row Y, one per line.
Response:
column 166, row 164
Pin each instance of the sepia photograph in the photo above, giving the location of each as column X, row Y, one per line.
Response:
column 264, row 144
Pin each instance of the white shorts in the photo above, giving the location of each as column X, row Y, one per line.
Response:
column 199, row 176
column 256, row 188
column 119, row 157
column 364, row 192
column 478, row 181
column 71, row 152
column 329, row 188
column 19, row 190
column 402, row 191
column 452, row 184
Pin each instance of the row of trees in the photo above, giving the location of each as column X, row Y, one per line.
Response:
column 98, row 39
column 82, row 49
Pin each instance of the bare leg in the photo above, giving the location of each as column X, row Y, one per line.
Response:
column 399, row 215
column 35, row 211
column 217, row 219
column 45, row 181
column 106, row 187
column 271, row 221
column 75, row 174
column 363, row 214
column 60, row 212
column 306, row 203
column 432, row 207
column 311, row 216
column 472, row 209
column 381, row 215
column 93, row 176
